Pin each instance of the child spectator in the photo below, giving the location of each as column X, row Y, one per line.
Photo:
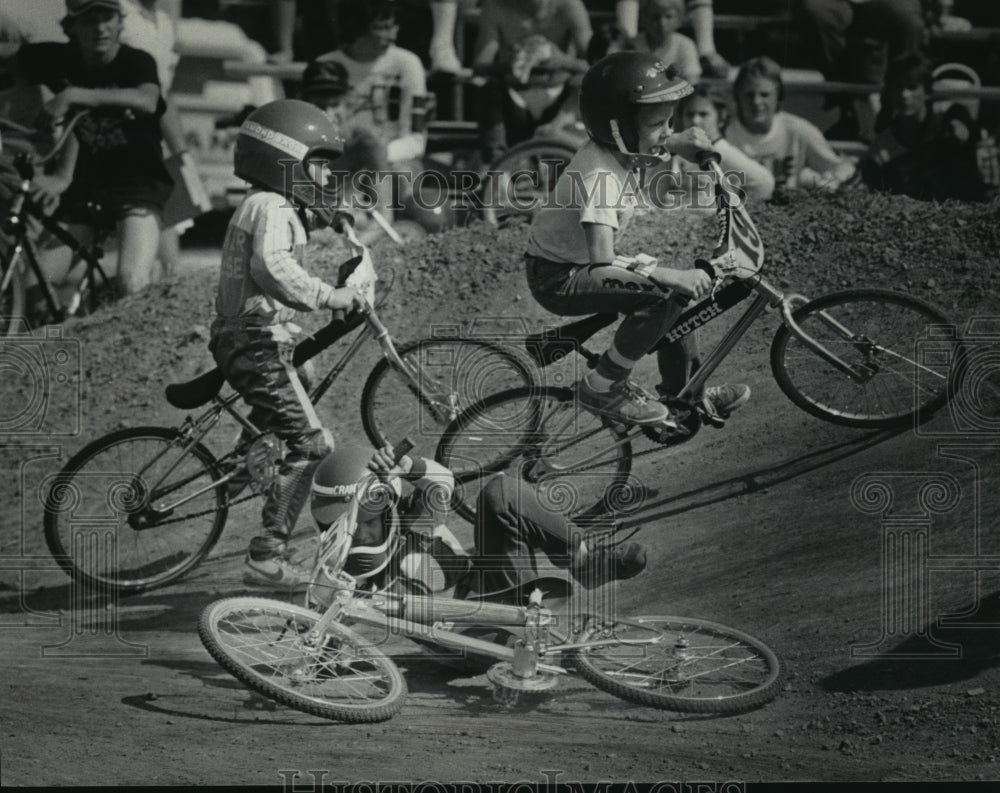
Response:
column 792, row 148
column 116, row 152
column 384, row 78
column 707, row 108
column 658, row 23
column 528, row 49
column 282, row 150
column 919, row 153
column 627, row 101
column 701, row 13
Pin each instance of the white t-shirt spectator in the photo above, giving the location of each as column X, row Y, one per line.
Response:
column 791, row 145
column 594, row 188
column 374, row 83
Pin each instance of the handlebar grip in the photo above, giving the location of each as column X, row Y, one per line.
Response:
column 405, row 446
column 706, row 157
column 706, row 266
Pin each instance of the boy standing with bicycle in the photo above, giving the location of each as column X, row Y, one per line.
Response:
column 115, row 155
column 282, row 150
column 627, row 102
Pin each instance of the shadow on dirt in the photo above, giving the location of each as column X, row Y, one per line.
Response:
column 244, row 705
column 953, row 649
column 161, row 611
column 755, row 481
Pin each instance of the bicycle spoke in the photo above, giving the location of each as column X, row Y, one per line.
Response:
column 99, row 520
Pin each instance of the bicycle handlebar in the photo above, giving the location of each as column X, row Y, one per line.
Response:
column 23, row 161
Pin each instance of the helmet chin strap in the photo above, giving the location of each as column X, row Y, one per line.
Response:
column 635, row 159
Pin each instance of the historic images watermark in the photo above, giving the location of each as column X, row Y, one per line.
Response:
column 41, row 375
column 525, row 190
column 907, row 503
column 313, row 781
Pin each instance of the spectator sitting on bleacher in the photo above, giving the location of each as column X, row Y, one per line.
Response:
column 528, row 49
column 384, row 78
column 708, row 109
column 850, row 38
column 919, row 153
column 792, row 148
column 658, row 23
column 701, row 14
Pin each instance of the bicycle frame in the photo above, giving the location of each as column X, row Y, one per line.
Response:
column 22, row 208
column 739, row 232
column 433, row 618
column 196, row 429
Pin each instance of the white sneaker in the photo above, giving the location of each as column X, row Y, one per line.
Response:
column 276, row 572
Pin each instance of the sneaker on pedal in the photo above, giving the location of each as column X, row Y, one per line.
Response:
column 721, row 400
column 625, row 401
column 275, row 572
column 605, row 563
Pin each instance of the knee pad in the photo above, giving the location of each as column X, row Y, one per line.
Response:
column 313, row 445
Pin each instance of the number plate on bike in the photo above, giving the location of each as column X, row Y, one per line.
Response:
column 740, row 250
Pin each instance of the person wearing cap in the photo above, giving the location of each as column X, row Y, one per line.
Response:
column 115, row 155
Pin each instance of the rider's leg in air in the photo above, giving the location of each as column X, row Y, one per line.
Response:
column 513, row 524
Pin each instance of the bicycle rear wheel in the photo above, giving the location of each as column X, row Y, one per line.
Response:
column 578, row 463
column 692, row 666
column 537, row 165
column 108, row 515
column 896, row 342
column 441, row 378
column 266, row 644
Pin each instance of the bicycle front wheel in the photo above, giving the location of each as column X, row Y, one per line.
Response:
column 269, row 646
column 681, row 664
column 896, row 344
column 134, row 510
column 439, row 379
column 578, row 463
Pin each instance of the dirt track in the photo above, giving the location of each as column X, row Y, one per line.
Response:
column 753, row 526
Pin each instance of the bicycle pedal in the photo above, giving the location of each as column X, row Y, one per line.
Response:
column 712, row 420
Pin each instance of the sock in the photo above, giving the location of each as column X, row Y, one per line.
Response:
column 599, row 383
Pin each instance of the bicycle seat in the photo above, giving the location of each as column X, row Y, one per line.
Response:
column 195, row 393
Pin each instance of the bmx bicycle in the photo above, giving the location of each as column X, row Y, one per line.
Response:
column 20, row 251
column 166, row 496
column 847, row 357
column 328, row 657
